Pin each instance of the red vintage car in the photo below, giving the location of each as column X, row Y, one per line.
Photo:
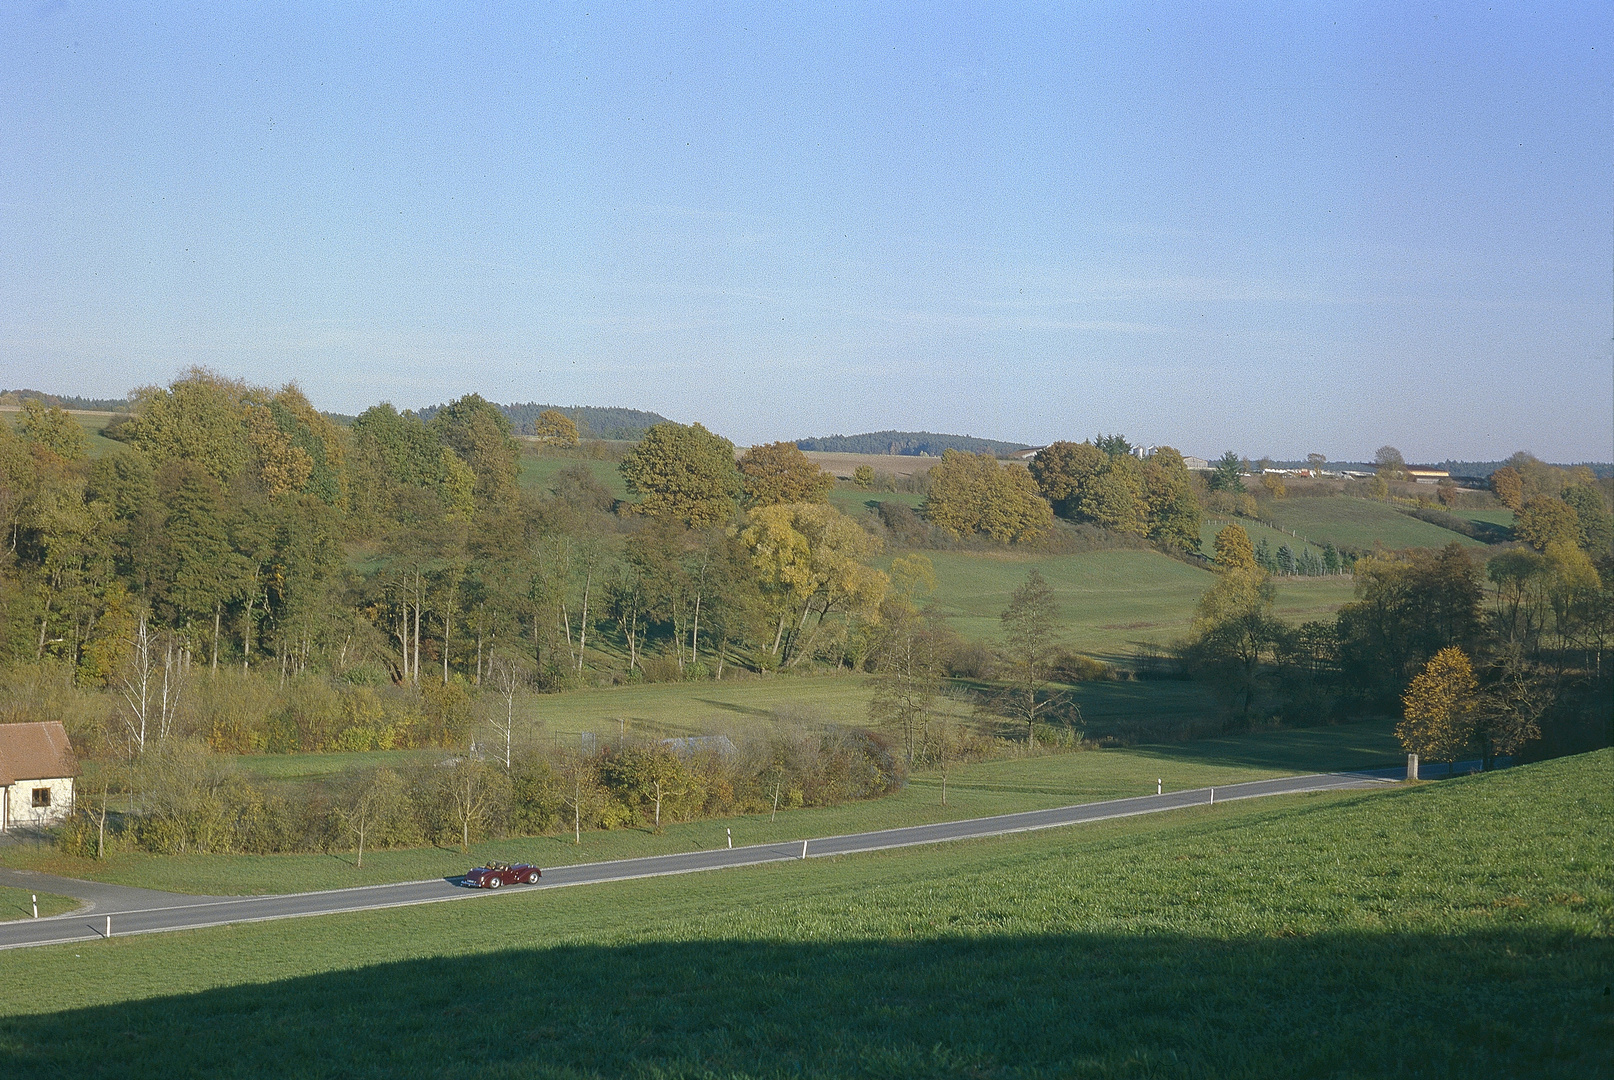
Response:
column 496, row 874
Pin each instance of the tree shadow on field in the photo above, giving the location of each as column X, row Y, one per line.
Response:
column 1510, row 1002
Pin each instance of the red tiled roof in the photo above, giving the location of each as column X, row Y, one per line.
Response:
column 35, row 752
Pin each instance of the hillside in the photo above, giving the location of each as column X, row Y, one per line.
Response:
column 908, row 444
column 593, row 422
column 1359, row 524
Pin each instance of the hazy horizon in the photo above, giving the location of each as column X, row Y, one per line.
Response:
column 1285, row 231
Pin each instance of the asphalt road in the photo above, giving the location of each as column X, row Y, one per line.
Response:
column 143, row 911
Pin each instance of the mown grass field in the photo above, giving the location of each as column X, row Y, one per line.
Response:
column 1358, row 523
column 18, row 904
column 978, row 790
column 1110, row 602
column 1452, row 929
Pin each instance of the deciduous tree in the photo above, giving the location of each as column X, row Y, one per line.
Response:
column 1545, row 520
column 1233, row 549
column 555, row 428
column 780, row 473
column 974, row 494
column 1438, row 707
column 684, row 473
column 1509, row 488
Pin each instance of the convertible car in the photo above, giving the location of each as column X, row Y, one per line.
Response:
column 496, row 874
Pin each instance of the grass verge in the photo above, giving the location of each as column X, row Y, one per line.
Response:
column 1458, row 929
column 18, row 904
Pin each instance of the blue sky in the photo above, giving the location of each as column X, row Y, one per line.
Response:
column 1274, row 228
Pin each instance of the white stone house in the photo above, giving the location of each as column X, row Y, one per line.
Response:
column 37, row 770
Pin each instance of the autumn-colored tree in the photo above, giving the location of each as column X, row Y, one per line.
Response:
column 780, row 473
column 1234, row 550
column 1545, row 520
column 974, row 494
column 684, row 473
column 1438, row 708
column 1508, row 487
column 1063, row 470
column 863, row 477
column 811, row 563
column 1273, row 482
column 555, row 428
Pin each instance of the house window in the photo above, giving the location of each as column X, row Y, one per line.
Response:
column 41, row 796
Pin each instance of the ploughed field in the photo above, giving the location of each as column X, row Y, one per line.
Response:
column 1461, row 928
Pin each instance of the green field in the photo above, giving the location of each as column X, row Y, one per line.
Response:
column 1346, row 934
column 1257, row 533
column 1110, row 601
column 18, row 904
column 538, row 470
column 1499, row 516
column 1357, row 523
column 991, row 787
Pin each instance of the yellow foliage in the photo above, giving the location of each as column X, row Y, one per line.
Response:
column 1438, row 707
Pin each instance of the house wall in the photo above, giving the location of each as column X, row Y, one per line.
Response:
column 20, row 811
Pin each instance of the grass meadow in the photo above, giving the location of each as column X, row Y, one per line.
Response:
column 1451, row 929
column 990, row 787
column 1111, row 602
column 1358, row 523
column 1275, row 538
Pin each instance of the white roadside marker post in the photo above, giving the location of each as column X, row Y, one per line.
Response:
column 731, row 837
column 36, row 905
column 1159, row 787
column 109, row 927
column 1213, row 797
column 804, row 849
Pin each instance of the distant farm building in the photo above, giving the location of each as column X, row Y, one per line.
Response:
column 37, row 770
column 1426, row 474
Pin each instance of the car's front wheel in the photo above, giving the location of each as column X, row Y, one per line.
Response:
column 494, row 882
column 532, row 878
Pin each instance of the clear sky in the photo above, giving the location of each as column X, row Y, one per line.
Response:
column 1276, row 228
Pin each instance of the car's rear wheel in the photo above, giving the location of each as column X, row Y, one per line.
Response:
column 532, row 878
column 494, row 882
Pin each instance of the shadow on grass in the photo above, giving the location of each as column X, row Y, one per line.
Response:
column 729, row 706
column 1358, row 745
column 1511, row 1002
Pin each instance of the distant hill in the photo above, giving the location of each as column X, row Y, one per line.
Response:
column 65, row 401
column 908, row 443
column 1466, row 470
column 592, row 422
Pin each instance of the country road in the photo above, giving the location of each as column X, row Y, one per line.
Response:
column 143, row 911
